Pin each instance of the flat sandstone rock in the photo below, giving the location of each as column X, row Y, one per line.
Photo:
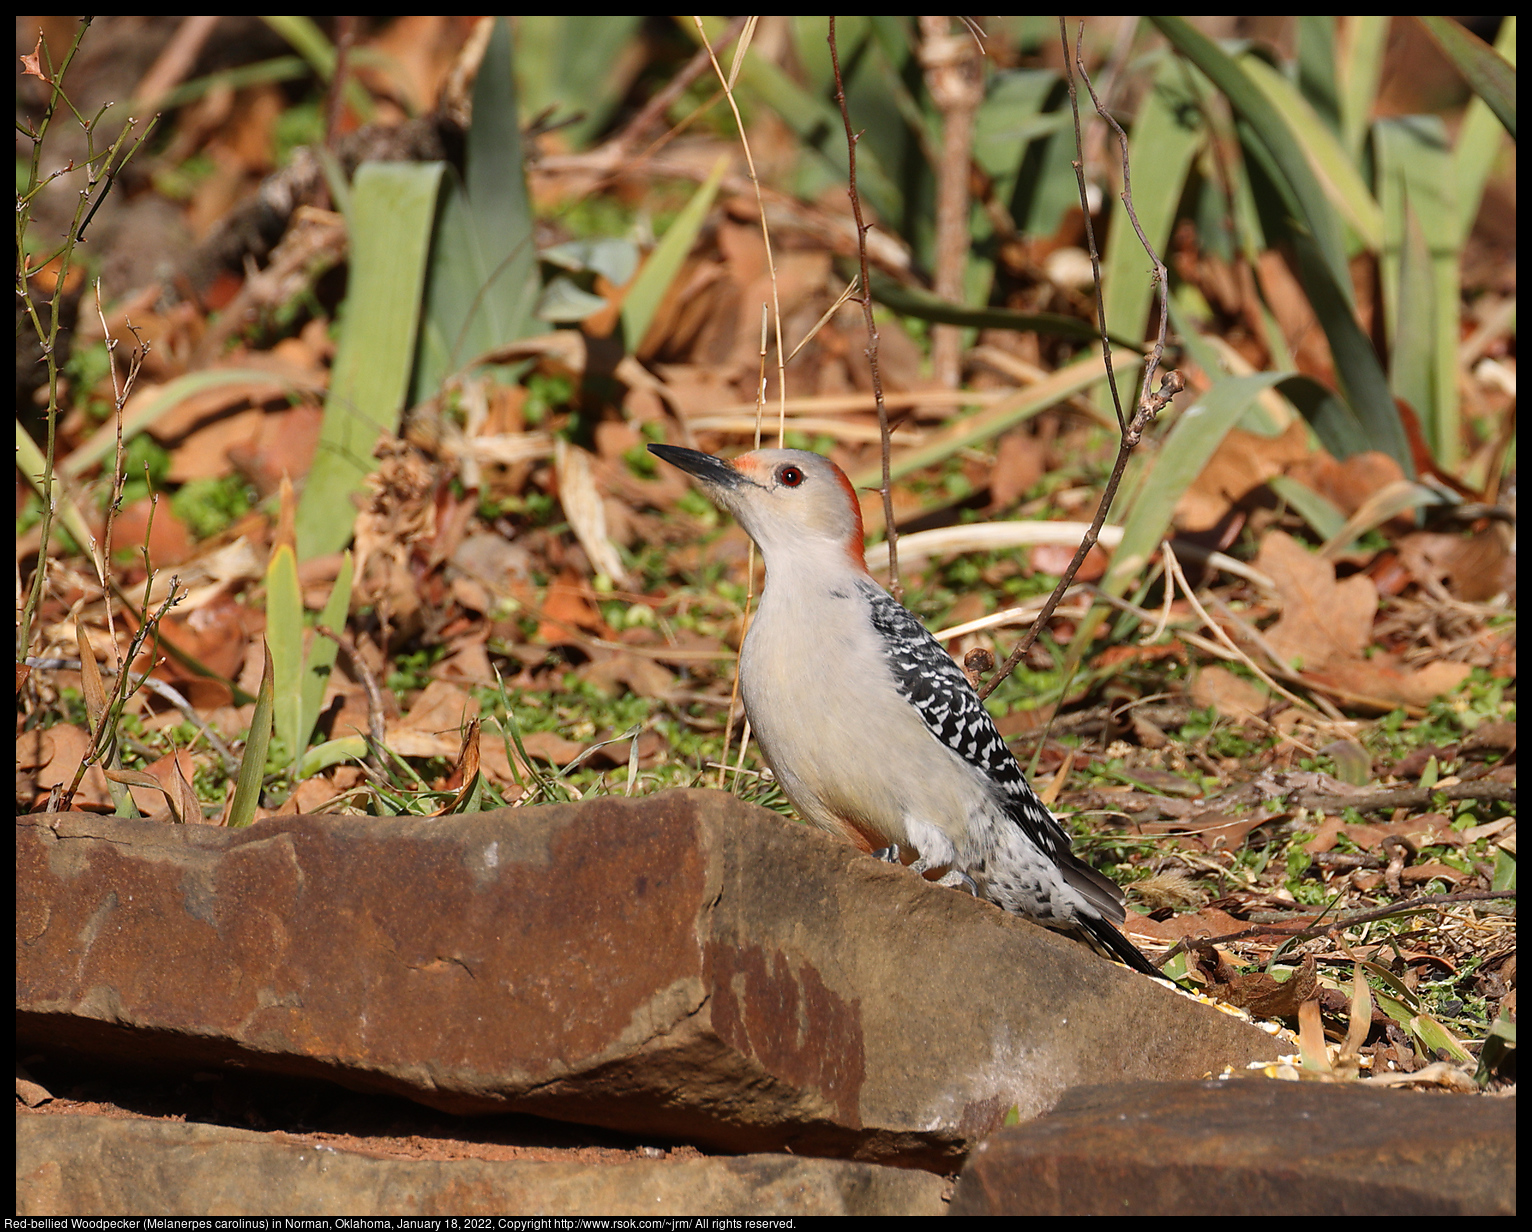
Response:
column 91, row 1165
column 684, row 965
column 1250, row 1147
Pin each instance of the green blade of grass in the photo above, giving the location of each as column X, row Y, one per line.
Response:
column 1317, row 510
column 815, row 121
column 482, row 283
column 390, row 224
column 1359, row 70
column 1488, row 74
column 566, row 61
column 309, row 41
column 1286, row 153
column 1317, row 64
column 1479, row 143
column 1337, row 173
column 284, row 642
column 331, row 753
column 321, row 653
column 144, row 409
column 922, row 305
column 659, row 271
column 1315, row 231
column 1412, row 366
column 1165, row 136
column 1421, row 267
column 32, row 463
column 990, row 422
column 252, row 764
column 1196, row 433
column 1156, row 489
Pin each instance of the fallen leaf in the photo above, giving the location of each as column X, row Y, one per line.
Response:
column 1020, row 461
column 1232, row 696
column 1475, row 567
column 1322, row 620
column 1242, row 462
column 1348, row 485
column 1385, row 682
column 570, row 604
column 642, row 676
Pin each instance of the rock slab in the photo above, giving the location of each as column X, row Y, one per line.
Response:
column 1250, row 1147
column 683, row 966
column 88, row 1165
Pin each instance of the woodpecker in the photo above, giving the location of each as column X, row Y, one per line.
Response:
column 872, row 730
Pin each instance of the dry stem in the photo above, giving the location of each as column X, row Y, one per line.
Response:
column 862, row 227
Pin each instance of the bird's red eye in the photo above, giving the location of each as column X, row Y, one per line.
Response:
column 790, row 476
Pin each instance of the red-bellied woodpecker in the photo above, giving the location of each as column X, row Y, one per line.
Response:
column 872, row 730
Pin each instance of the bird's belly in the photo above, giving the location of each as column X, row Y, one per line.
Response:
column 867, row 765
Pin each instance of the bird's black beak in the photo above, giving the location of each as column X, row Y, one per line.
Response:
column 704, row 466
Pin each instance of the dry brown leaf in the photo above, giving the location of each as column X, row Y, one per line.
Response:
column 582, row 505
column 1348, row 485
column 1020, row 461
column 1242, row 462
column 1208, row 830
column 1232, row 696
column 1289, row 303
column 570, row 605
column 1322, row 620
column 204, row 454
column 1265, row 998
column 57, row 754
column 1387, row 682
column 551, row 747
column 1053, row 559
column 1206, row 922
column 170, row 543
column 1475, row 567
column 283, row 443
column 642, row 676
column 434, row 725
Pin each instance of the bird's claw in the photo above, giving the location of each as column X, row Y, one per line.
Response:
column 957, row 879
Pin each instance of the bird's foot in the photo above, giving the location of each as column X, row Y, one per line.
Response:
column 889, row 855
column 957, row 879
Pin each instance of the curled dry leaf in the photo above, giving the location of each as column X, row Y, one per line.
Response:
column 582, row 505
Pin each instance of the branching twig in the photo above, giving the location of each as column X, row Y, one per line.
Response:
column 1161, row 281
column 1150, row 404
column 121, row 388
column 865, row 297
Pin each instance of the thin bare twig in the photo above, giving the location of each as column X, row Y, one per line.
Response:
column 121, row 388
column 160, row 689
column 1161, row 279
column 1150, row 404
column 862, row 227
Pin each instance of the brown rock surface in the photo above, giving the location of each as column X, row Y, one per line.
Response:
column 685, row 966
column 1250, row 1147
column 93, row 1165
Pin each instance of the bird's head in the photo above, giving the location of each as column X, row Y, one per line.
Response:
column 790, row 501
